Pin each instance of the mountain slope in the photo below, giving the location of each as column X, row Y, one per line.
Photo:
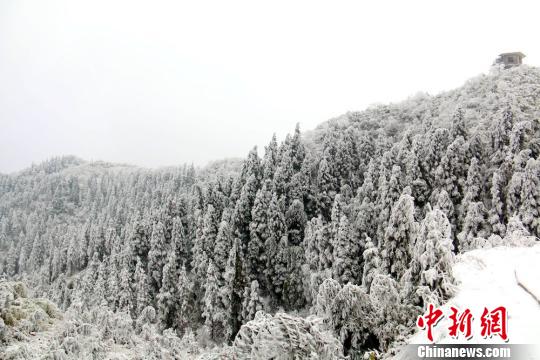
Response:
column 373, row 205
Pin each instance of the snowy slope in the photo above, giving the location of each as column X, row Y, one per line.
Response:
column 489, row 278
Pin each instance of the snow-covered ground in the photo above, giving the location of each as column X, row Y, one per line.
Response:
column 500, row 276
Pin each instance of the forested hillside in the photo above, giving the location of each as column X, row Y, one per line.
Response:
column 339, row 236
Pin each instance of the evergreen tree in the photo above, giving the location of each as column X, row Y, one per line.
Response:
column 400, row 234
column 436, row 142
column 235, row 281
column 180, row 241
column 458, row 127
column 292, row 293
column 296, row 220
column 346, row 256
column 223, row 244
column 270, row 160
column 452, row 170
column 474, row 184
column 529, row 210
column 317, row 245
column 125, row 295
column 242, row 212
column 213, row 311
column 199, row 261
column 389, row 192
column 474, row 226
column 500, row 134
column 113, row 286
column 297, row 149
column 252, row 302
column 348, row 311
column 100, row 285
column 432, row 255
column 497, row 209
column 186, row 312
column 275, row 246
column 167, row 298
column 142, row 288
column 365, row 208
column 157, row 256
column 209, row 231
column 327, row 187
column 259, row 233
column 372, row 263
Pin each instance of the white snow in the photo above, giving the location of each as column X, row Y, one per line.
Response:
column 489, row 278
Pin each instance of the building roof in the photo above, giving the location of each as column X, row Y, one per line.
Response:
column 520, row 54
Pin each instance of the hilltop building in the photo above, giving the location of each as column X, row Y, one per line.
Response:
column 510, row 59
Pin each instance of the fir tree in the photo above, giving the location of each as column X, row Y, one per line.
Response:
column 432, row 255
column 125, row 295
column 259, row 233
column 400, row 233
column 530, row 197
column 167, row 298
column 497, row 209
column 209, row 231
column 270, row 160
column 252, row 302
column 474, row 226
column 223, row 244
column 372, row 263
column 346, row 256
column 213, row 310
column 235, row 281
column 157, row 256
column 142, row 288
column 186, row 312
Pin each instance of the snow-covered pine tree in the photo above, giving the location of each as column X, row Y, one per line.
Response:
column 327, row 185
column 180, row 241
column 475, row 226
column 497, row 208
column 296, row 220
column 209, row 231
column 232, row 294
column 259, row 233
column 157, row 257
column 348, row 311
column 389, row 193
column 274, row 245
column 241, row 217
column 474, row 185
column 292, row 293
column 529, row 209
column 167, row 298
column 186, row 313
column 400, row 233
column 391, row 317
column 451, row 173
column 141, row 288
column 270, row 160
column 224, row 241
column 125, row 292
column 372, row 263
column 432, row 255
column 458, row 127
column 500, row 134
column 213, row 309
column 252, row 302
column 346, row 253
column 317, row 245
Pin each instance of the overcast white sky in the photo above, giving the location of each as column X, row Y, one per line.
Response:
column 158, row 83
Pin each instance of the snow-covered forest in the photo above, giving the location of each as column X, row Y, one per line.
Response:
column 325, row 245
